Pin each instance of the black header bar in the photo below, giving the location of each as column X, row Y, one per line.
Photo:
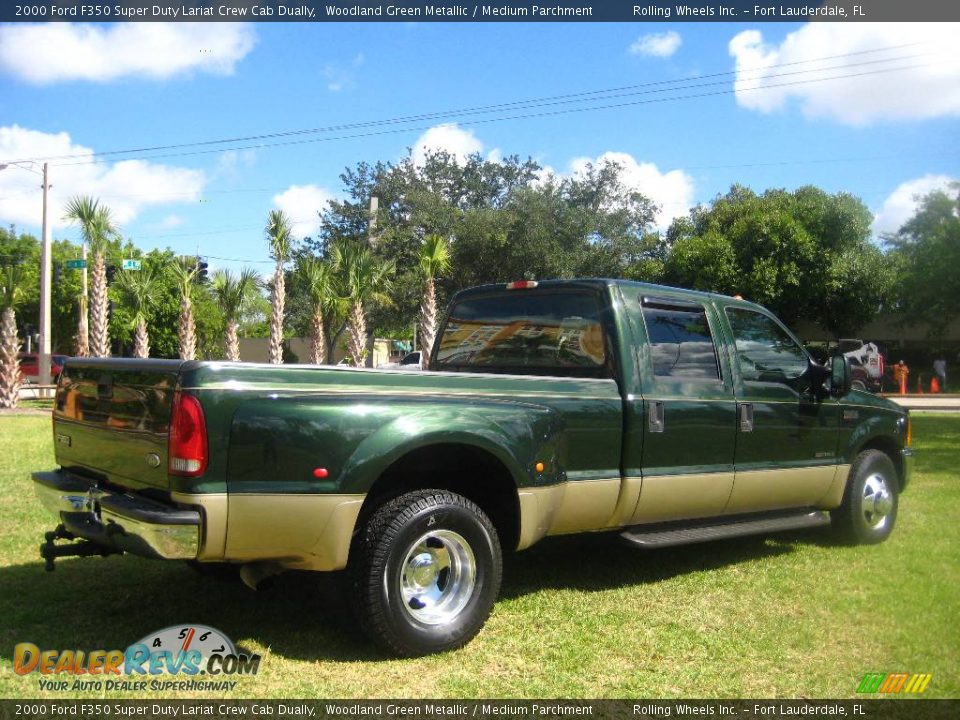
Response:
column 638, row 11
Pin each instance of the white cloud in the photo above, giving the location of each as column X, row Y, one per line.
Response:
column 56, row 52
column 341, row 77
column 457, row 142
column 672, row 190
column 126, row 186
column 170, row 222
column 231, row 162
column 929, row 88
column 302, row 204
column 659, row 45
column 901, row 204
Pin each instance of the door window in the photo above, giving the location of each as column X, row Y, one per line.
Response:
column 681, row 345
column 766, row 352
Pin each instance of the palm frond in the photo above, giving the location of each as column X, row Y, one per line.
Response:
column 434, row 256
column 279, row 235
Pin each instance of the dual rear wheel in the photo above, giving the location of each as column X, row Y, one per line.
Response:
column 426, row 572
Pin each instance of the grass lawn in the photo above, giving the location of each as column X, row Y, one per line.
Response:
column 793, row 616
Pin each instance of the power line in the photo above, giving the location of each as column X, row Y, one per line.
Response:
column 605, row 94
column 550, row 113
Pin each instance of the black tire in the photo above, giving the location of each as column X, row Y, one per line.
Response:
column 869, row 509
column 405, row 543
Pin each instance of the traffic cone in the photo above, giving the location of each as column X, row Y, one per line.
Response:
column 934, row 385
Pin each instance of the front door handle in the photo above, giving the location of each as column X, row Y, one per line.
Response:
column 746, row 417
column 656, row 417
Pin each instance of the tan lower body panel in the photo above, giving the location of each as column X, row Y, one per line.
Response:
column 573, row 506
column 213, row 536
column 305, row 532
column 757, row 490
column 834, row 494
column 678, row 497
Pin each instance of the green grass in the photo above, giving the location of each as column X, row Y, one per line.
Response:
column 795, row 616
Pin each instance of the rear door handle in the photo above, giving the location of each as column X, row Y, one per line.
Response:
column 746, row 417
column 656, row 417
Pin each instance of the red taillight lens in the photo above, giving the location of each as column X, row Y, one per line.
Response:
column 188, row 437
column 522, row 285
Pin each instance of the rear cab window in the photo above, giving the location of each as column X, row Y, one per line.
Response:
column 541, row 332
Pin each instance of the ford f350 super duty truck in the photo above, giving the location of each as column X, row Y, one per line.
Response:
column 548, row 408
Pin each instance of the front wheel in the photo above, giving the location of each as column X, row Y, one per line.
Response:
column 426, row 572
column 869, row 508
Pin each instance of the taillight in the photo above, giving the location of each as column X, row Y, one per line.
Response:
column 522, row 285
column 188, row 437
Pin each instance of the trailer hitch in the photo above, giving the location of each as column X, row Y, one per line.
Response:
column 50, row 551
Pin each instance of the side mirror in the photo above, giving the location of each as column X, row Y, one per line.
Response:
column 840, row 379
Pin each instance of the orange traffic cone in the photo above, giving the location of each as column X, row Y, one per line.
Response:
column 934, row 385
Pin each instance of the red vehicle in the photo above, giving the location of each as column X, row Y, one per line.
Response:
column 30, row 366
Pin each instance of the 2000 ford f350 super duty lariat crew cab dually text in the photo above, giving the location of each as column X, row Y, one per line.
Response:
column 554, row 407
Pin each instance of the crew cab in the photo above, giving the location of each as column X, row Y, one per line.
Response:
column 663, row 415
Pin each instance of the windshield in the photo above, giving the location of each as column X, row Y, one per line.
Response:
column 535, row 332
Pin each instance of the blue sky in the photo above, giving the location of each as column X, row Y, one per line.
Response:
column 885, row 132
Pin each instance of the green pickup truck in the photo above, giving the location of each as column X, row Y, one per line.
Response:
column 554, row 407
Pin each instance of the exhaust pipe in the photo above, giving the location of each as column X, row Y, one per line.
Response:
column 257, row 575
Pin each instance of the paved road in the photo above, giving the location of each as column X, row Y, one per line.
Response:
column 927, row 402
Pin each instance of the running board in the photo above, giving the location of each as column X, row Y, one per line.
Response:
column 670, row 534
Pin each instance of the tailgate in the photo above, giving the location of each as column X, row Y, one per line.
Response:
column 112, row 418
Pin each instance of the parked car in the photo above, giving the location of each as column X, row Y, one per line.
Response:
column 664, row 415
column 861, row 378
column 30, row 366
column 410, row 361
column 869, row 357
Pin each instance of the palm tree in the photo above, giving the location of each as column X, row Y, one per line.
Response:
column 233, row 292
column 97, row 227
column 184, row 271
column 12, row 279
column 321, row 283
column 280, row 241
column 367, row 280
column 139, row 289
column 434, row 261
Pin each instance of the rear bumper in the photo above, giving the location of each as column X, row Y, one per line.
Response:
column 906, row 462
column 116, row 520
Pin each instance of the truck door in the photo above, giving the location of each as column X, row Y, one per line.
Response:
column 683, row 428
column 786, row 438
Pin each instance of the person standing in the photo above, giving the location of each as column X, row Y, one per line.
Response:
column 900, row 373
column 940, row 370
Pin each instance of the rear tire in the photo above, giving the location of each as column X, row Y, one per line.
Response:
column 869, row 509
column 426, row 570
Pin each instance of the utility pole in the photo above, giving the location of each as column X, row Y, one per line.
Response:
column 372, row 224
column 45, row 263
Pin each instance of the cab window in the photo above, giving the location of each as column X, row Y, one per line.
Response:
column 681, row 344
column 765, row 351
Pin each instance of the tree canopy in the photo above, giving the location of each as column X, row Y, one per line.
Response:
column 804, row 254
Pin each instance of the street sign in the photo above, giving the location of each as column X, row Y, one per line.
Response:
column 76, row 264
column 131, row 264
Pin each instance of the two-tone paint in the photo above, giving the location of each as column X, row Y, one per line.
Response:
column 296, row 452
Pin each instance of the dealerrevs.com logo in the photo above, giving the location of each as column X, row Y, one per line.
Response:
column 180, row 657
column 894, row 683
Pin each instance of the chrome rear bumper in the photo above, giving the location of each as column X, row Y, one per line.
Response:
column 120, row 521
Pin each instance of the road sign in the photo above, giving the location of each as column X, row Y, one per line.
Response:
column 131, row 264
column 76, row 264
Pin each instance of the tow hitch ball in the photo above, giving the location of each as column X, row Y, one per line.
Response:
column 49, row 551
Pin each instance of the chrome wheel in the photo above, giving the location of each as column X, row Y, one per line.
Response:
column 438, row 577
column 877, row 501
